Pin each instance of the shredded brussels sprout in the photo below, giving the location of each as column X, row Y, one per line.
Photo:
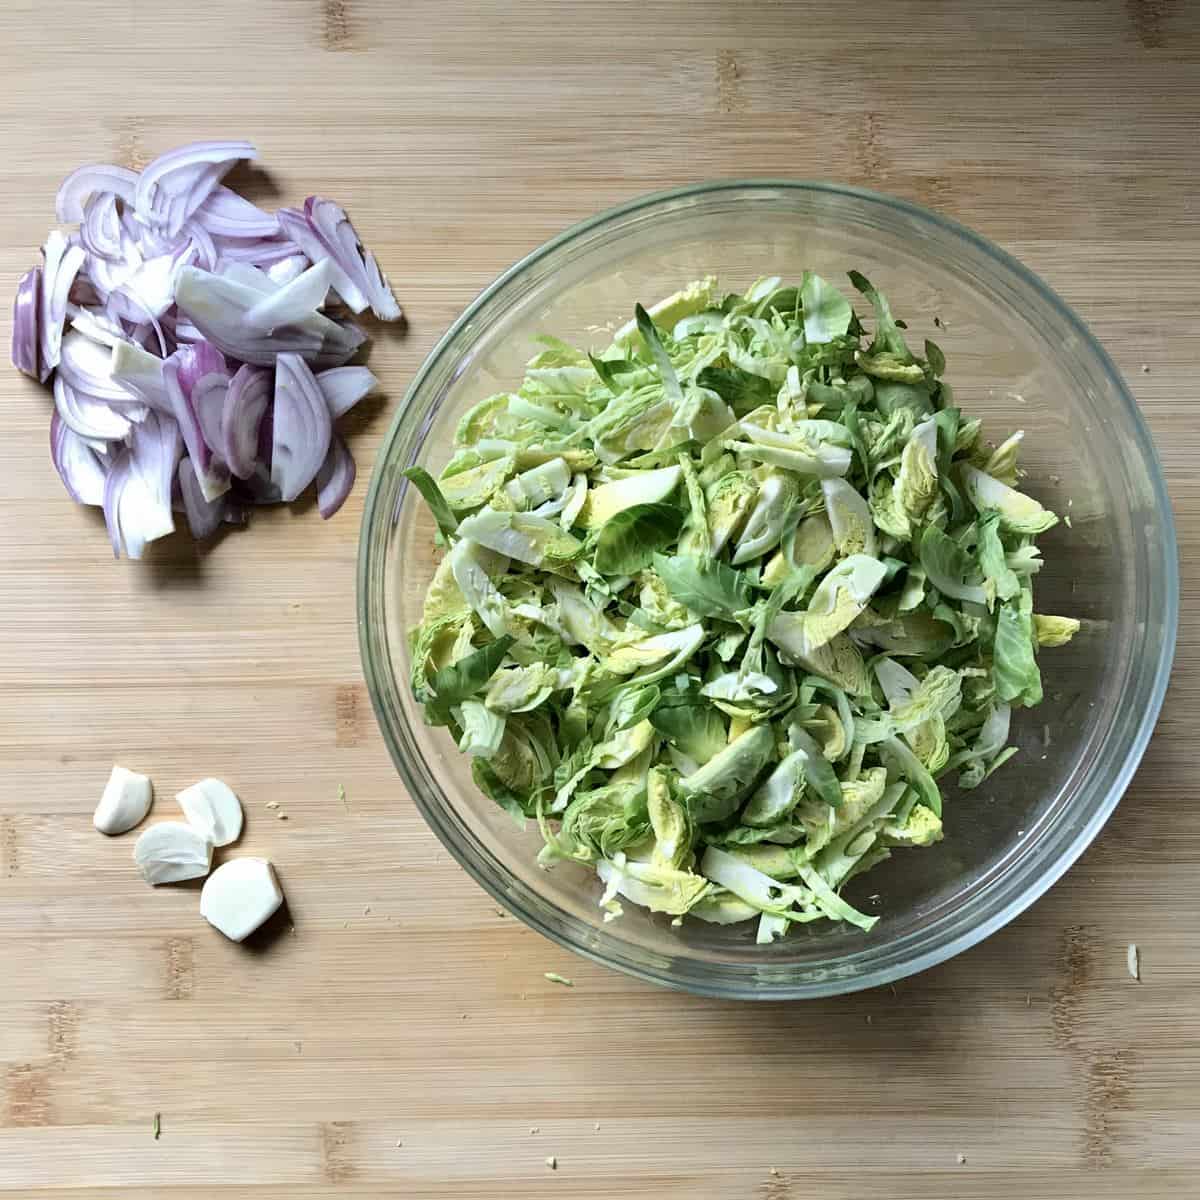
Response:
column 722, row 602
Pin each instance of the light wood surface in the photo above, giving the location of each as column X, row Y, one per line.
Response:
column 401, row 1040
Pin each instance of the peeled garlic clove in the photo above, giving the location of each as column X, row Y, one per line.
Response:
column 213, row 809
column 124, row 803
column 171, row 851
column 239, row 896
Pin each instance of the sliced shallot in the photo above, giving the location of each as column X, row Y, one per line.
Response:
column 138, row 520
column 335, row 478
column 208, row 401
column 181, row 373
column 63, row 260
column 175, row 184
column 344, row 387
column 90, row 418
column 246, row 400
column 284, row 270
column 204, row 517
column 25, row 322
column 196, row 319
column 323, row 230
column 87, row 366
column 293, row 302
column 89, row 181
column 140, row 373
column 226, row 214
column 151, row 288
column 75, row 461
column 101, row 230
column 96, row 324
column 203, row 247
column 114, row 484
column 248, row 276
column 145, row 511
column 302, row 427
column 258, row 252
column 218, row 305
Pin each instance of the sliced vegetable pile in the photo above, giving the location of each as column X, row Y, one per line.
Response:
column 181, row 325
column 722, row 604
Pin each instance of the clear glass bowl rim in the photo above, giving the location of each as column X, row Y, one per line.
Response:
column 703, row 978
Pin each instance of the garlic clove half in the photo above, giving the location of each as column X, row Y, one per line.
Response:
column 213, row 808
column 171, row 851
column 239, row 896
column 124, row 802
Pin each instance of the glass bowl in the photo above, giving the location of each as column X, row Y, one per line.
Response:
column 1019, row 358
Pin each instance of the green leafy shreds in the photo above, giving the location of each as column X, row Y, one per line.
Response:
column 723, row 601
column 432, row 495
column 707, row 586
column 629, row 540
column 741, row 390
column 470, row 674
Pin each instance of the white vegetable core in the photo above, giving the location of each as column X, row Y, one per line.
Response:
column 239, row 896
column 124, row 803
column 213, row 808
column 171, row 851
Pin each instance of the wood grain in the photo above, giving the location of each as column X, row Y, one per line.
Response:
column 397, row 1038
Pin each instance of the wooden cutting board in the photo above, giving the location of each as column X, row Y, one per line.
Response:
column 401, row 1040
